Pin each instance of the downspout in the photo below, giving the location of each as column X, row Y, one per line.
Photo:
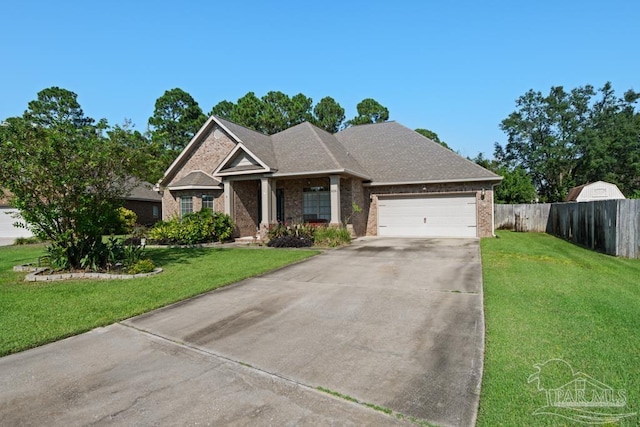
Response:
column 493, row 216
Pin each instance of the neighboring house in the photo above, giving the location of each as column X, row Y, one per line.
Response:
column 406, row 184
column 598, row 190
column 146, row 203
column 8, row 219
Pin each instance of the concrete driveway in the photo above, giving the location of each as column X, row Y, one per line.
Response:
column 396, row 323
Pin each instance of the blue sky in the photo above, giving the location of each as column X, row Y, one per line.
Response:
column 453, row 67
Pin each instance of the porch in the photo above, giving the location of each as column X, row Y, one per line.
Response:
column 256, row 203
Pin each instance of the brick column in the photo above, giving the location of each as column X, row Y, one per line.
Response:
column 268, row 192
column 228, row 198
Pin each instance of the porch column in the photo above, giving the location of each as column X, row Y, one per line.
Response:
column 228, row 198
column 335, row 199
column 268, row 206
column 274, row 203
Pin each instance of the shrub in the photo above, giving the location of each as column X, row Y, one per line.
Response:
column 299, row 230
column 27, row 240
column 223, row 226
column 331, row 236
column 290, row 241
column 197, row 227
column 125, row 221
column 141, row 266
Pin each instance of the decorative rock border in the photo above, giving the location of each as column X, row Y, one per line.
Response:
column 36, row 276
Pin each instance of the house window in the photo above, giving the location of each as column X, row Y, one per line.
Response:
column 207, row 202
column 155, row 212
column 186, row 205
column 316, row 204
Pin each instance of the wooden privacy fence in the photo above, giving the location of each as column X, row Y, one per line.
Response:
column 609, row 226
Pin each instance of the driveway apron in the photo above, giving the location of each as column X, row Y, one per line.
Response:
column 397, row 323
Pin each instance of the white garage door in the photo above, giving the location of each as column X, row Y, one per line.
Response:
column 433, row 216
column 6, row 225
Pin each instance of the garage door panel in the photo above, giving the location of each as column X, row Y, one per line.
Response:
column 435, row 216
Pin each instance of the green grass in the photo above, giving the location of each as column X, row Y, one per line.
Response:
column 546, row 298
column 33, row 314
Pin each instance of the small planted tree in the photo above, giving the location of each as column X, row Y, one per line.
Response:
column 66, row 175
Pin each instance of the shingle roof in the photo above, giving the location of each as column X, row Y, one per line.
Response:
column 393, row 153
column 258, row 143
column 196, row 179
column 383, row 153
column 307, row 148
column 144, row 191
column 573, row 194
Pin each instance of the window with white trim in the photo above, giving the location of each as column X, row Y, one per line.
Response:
column 207, row 202
column 186, row 206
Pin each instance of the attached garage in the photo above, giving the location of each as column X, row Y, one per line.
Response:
column 7, row 230
column 427, row 216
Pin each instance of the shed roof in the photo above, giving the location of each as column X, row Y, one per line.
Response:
column 599, row 190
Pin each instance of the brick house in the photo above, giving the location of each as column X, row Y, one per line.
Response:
column 406, row 184
column 145, row 202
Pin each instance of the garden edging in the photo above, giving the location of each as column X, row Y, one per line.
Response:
column 36, row 276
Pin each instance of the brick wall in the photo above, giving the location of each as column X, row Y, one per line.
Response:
column 245, row 207
column 484, row 208
column 293, row 199
column 144, row 211
column 205, row 156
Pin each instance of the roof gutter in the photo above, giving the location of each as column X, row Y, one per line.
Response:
column 195, row 187
column 321, row 172
column 436, row 181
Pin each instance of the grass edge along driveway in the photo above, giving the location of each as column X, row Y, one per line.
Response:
column 33, row 314
column 549, row 299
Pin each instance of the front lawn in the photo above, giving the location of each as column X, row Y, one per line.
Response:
column 33, row 314
column 548, row 299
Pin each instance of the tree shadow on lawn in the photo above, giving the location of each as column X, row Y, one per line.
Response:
column 163, row 257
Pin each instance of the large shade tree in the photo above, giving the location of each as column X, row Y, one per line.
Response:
column 328, row 115
column 176, row 119
column 66, row 174
column 369, row 111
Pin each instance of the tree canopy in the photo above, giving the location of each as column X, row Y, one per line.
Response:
column 432, row 136
column 67, row 175
column 569, row 138
column 369, row 111
column 177, row 117
column 328, row 115
column 276, row 111
column 516, row 185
